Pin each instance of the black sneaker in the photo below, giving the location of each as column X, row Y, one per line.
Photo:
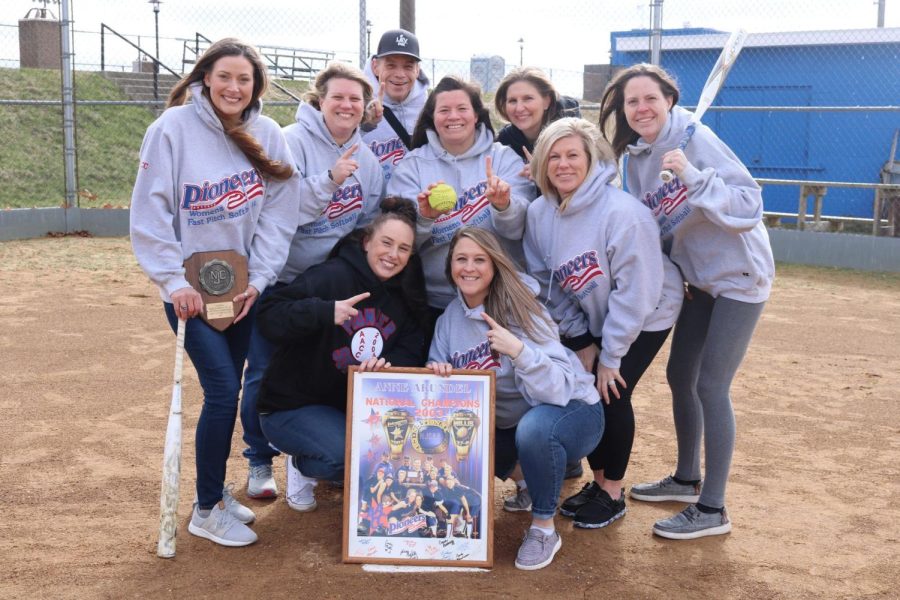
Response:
column 571, row 504
column 574, row 470
column 600, row 511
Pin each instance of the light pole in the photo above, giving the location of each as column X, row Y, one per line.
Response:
column 156, row 4
column 368, row 38
column 521, row 50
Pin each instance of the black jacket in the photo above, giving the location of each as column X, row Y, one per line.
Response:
column 310, row 362
column 513, row 137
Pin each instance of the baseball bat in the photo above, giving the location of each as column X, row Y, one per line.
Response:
column 171, row 471
column 712, row 86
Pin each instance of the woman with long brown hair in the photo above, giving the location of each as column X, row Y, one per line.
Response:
column 710, row 219
column 215, row 175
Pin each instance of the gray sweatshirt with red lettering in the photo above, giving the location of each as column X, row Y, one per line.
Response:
column 601, row 267
column 711, row 217
column 343, row 207
column 197, row 192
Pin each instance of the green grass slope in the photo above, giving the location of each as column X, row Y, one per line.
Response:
column 108, row 139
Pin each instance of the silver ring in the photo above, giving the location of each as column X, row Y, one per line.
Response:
column 611, row 383
column 184, row 307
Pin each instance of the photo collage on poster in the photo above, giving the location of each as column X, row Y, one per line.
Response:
column 420, row 465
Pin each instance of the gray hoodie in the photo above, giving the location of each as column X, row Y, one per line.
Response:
column 342, row 208
column 711, row 218
column 466, row 174
column 601, row 267
column 383, row 141
column 546, row 372
column 196, row 192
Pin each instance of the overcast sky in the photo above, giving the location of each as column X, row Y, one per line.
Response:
column 562, row 35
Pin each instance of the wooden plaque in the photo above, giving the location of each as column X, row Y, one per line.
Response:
column 219, row 276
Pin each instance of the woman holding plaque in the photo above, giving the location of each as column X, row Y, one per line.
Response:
column 363, row 306
column 547, row 408
column 215, row 175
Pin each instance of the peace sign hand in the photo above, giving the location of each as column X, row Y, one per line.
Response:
column 343, row 309
column 497, row 189
column 344, row 166
column 526, row 170
column 501, row 339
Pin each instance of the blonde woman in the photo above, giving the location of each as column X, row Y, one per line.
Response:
column 596, row 252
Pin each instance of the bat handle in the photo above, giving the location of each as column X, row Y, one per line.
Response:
column 667, row 175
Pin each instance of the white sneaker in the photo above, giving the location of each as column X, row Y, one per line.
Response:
column 237, row 510
column 221, row 527
column 300, row 493
column 261, row 482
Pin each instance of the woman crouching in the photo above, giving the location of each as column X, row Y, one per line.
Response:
column 547, row 409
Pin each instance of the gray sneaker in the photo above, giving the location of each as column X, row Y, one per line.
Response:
column 261, row 482
column 691, row 523
column 666, row 490
column 238, row 510
column 221, row 527
column 521, row 502
column 537, row 550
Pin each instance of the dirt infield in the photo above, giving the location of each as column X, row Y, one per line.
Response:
column 87, row 355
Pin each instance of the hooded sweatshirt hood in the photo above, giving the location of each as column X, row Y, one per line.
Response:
column 710, row 218
column 341, row 208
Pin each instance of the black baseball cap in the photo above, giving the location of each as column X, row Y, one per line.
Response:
column 398, row 41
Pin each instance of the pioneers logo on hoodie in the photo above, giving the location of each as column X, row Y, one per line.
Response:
column 576, row 274
column 212, row 199
column 478, row 358
column 664, row 201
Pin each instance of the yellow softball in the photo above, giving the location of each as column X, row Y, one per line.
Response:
column 442, row 198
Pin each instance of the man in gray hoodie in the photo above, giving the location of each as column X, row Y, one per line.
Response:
column 400, row 92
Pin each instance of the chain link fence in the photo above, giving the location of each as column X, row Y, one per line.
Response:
column 813, row 96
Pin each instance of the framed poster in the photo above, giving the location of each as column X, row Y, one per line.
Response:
column 418, row 483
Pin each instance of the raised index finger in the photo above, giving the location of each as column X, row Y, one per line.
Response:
column 346, row 155
column 487, row 167
column 381, row 91
column 487, row 319
column 358, row 298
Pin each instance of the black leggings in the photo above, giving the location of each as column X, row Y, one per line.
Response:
column 614, row 450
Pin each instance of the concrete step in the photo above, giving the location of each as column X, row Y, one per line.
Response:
column 139, row 86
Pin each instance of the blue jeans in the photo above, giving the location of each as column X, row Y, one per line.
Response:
column 314, row 435
column 218, row 357
column 545, row 439
column 258, row 450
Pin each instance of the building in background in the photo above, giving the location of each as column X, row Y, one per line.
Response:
column 843, row 68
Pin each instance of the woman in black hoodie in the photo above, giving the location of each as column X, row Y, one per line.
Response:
column 363, row 306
